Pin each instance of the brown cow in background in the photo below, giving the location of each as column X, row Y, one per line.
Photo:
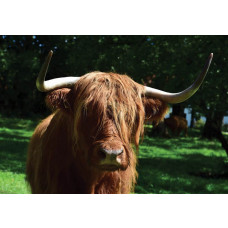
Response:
column 177, row 124
column 85, row 145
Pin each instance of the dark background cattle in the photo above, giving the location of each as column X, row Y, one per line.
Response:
column 176, row 124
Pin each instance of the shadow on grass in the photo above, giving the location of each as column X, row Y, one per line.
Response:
column 165, row 165
column 14, row 138
column 183, row 142
column 13, row 155
column 18, row 124
column 193, row 173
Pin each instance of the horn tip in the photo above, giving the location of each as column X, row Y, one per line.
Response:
column 211, row 55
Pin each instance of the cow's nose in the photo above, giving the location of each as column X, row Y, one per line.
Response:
column 110, row 154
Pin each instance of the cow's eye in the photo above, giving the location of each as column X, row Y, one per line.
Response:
column 83, row 110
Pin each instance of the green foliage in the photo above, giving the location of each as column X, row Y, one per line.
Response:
column 175, row 165
column 225, row 127
column 171, row 62
column 199, row 124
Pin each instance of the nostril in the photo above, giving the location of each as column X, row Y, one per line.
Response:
column 102, row 154
column 120, row 151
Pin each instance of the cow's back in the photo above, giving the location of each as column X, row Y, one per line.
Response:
column 172, row 122
column 177, row 124
column 34, row 156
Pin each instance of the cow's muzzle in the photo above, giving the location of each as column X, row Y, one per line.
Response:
column 111, row 159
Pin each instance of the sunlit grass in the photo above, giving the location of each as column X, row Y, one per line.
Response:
column 14, row 137
column 166, row 165
column 11, row 182
column 182, row 165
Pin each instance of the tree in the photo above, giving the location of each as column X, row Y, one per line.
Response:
column 212, row 99
column 169, row 63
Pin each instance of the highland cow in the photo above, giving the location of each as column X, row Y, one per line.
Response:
column 86, row 144
column 177, row 124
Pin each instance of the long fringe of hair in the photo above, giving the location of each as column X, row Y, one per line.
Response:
column 113, row 96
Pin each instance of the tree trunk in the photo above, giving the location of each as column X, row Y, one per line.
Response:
column 223, row 141
column 178, row 110
column 213, row 128
column 213, row 125
column 193, row 114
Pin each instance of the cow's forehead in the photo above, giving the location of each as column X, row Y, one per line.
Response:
column 100, row 95
column 107, row 86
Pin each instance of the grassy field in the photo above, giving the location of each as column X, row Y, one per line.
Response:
column 177, row 165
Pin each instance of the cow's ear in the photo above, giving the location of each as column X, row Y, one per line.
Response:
column 155, row 109
column 59, row 99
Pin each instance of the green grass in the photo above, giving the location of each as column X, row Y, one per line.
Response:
column 174, row 165
column 182, row 165
column 14, row 138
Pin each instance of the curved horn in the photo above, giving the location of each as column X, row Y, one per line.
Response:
column 174, row 98
column 57, row 83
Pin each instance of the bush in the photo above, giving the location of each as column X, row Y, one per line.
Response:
column 225, row 127
column 199, row 124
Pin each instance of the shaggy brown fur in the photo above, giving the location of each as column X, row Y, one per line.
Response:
column 102, row 110
column 177, row 124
